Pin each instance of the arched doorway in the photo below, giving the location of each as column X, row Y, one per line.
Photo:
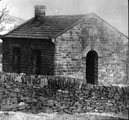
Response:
column 92, row 67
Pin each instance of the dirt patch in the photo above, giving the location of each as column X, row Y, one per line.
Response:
column 55, row 116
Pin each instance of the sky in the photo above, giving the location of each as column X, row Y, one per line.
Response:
column 115, row 12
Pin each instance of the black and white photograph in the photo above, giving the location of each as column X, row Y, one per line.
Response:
column 64, row 60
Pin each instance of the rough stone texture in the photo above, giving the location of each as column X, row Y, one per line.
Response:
column 18, row 93
column 26, row 46
column 67, row 55
column 93, row 34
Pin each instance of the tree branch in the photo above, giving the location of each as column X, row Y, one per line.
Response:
column 3, row 14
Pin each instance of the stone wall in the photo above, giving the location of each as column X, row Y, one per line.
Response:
column 48, row 94
column 93, row 34
column 27, row 46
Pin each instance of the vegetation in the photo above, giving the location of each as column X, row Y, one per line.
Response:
column 3, row 14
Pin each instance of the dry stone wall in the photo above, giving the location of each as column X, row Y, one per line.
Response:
column 93, row 34
column 48, row 94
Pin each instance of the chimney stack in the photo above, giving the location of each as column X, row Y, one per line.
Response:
column 40, row 12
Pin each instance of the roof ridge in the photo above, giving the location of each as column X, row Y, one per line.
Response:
column 68, row 15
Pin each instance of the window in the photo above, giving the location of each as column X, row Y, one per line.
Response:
column 16, row 59
column 36, row 61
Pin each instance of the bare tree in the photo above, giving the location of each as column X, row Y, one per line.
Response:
column 3, row 15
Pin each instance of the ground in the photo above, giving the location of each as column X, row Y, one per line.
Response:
column 0, row 67
column 55, row 116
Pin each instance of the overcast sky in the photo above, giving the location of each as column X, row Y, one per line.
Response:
column 115, row 12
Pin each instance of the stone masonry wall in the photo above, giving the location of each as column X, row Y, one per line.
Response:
column 26, row 46
column 67, row 55
column 114, row 55
column 93, row 34
column 48, row 94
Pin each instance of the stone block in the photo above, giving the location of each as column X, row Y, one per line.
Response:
column 67, row 111
column 13, row 94
column 21, row 107
column 50, row 102
column 17, row 90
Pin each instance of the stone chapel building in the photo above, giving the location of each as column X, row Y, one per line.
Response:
column 79, row 46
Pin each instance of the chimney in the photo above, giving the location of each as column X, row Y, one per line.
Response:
column 40, row 13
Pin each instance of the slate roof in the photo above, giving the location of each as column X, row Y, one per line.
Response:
column 52, row 26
